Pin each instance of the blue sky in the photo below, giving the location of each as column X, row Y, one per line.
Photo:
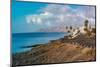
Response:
column 19, row 11
column 34, row 16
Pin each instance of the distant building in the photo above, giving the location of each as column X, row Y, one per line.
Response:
column 85, row 29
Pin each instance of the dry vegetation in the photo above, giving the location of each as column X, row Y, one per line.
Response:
column 59, row 51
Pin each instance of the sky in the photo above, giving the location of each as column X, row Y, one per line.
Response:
column 34, row 16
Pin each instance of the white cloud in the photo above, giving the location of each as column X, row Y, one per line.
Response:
column 31, row 19
column 61, row 18
column 39, row 21
column 46, row 14
column 57, row 15
column 48, row 23
column 38, row 18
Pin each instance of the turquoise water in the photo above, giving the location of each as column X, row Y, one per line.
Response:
column 20, row 40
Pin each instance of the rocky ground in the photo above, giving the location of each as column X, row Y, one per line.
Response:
column 81, row 48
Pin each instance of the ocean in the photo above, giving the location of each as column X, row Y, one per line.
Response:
column 20, row 40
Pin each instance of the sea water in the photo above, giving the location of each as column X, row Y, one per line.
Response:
column 20, row 40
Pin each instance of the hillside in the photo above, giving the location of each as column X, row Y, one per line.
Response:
column 63, row 50
column 53, row 29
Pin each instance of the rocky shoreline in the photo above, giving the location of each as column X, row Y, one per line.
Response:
column 81, row 48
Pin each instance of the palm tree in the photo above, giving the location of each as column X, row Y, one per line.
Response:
column 86, row 23
column 66, row 27
column 71, row 27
